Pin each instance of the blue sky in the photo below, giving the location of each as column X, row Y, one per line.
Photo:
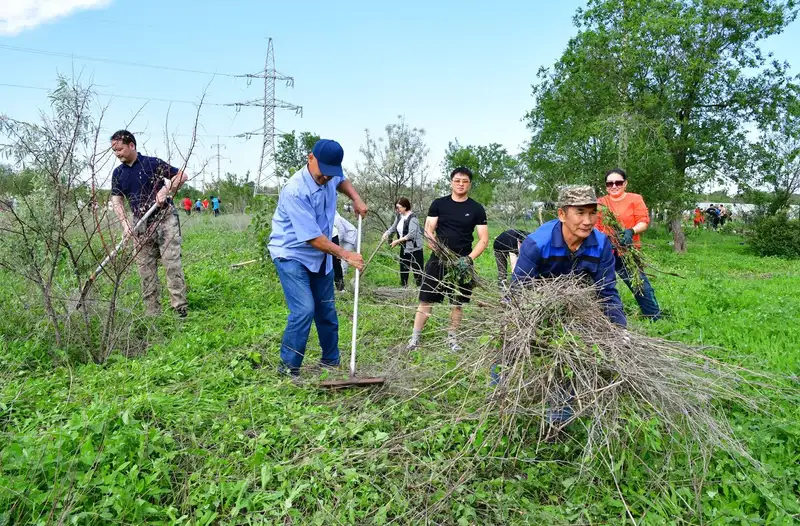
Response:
column 457, row 69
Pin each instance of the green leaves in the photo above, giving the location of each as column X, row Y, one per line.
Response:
column 776, row 236
column 662, row 88
column 490, row 166
column 292, row 150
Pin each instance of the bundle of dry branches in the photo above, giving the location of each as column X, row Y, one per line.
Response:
column 458, row 271
column 557, row 357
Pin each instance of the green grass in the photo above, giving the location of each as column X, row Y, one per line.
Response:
column 201, row 430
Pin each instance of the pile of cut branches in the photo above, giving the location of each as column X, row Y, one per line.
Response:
column 554, row 351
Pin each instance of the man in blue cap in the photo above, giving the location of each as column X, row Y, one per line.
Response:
column 301, row 248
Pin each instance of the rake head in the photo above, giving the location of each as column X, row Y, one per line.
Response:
column 351, row 382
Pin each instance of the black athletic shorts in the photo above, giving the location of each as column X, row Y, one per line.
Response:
column 434, row 288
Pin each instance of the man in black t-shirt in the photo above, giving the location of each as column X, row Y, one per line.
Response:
column 506, row 246
column 452, row 219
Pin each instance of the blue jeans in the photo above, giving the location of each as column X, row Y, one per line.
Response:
column 646, row 298
column 309, row 296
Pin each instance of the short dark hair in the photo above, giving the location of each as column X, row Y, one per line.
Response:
column 618, row 171
column 405, row 203
column 125, row 136
column 463, row 170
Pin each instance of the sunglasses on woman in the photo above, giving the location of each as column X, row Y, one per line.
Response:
column 609, row 184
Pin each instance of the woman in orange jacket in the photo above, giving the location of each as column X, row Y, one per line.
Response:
column 632, row 214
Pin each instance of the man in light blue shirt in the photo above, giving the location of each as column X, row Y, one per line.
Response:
column 300, row 246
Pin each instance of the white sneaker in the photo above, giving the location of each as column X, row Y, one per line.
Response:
column 453, row 344
column 412, row 344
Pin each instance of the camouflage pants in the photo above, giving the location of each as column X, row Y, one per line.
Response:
column 161, row 240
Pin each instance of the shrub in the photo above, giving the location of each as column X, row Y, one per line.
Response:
column 262, row 207
column 731, row 227
column 777, row 236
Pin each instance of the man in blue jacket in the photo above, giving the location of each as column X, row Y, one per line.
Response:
column 571, row 245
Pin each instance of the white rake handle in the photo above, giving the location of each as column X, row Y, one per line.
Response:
column 124, row 239
column 355, row 308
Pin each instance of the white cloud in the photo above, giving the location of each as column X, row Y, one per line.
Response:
column 19, row 15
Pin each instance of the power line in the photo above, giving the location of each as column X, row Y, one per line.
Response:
column 147, row 134
column 155, row 99
column 111, row 61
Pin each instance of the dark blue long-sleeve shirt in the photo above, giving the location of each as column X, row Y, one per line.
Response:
column 545, row 254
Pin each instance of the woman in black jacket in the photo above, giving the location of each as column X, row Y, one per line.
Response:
column 409, row 237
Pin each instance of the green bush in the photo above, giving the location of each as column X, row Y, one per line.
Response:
column 262, row 208
column 777, row 236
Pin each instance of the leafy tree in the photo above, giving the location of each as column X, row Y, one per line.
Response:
column 395, row 165
column 489, row 165
column 775, row 164
column 233, row 190
column 662, row 88
column 512, row 203
column 187, row 190
column 292, row 152
column 15, row 184
column 49, row 235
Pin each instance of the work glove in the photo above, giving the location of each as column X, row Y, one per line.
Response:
column 627, row 238
column 464, row 264
column 463, row 268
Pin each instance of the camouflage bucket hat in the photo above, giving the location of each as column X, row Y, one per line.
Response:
column 576, row 195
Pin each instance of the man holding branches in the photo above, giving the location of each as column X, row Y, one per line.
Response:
column 452, row 219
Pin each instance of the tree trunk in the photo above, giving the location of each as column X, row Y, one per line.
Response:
column 779, row 201
column 678, row 237
column 108, row 332
column 51, row 312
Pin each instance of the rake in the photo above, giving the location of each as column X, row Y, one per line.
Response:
column 353, row 380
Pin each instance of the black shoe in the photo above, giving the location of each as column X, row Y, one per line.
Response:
column 182, row 312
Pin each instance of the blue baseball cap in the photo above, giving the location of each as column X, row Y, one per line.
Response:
column 329, row 155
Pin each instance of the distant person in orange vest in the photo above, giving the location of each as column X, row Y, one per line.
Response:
column 205, row 204
column 187, row 205
column 699, row 218
column 631, row 213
